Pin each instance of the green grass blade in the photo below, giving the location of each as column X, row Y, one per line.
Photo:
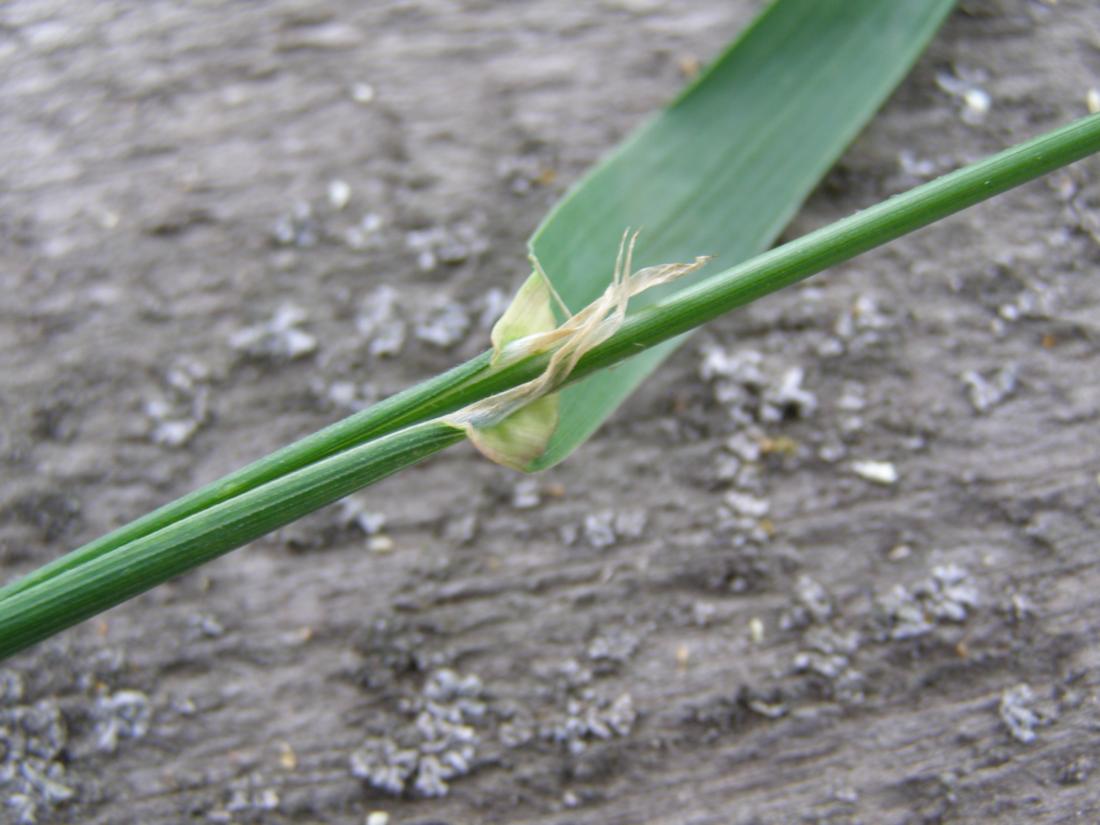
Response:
column 74, row 594
column 89, row 586
column 724, row 169
column 420, row 403
column 720, row 173
column 841, row 241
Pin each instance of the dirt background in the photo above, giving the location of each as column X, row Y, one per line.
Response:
column 717, row 612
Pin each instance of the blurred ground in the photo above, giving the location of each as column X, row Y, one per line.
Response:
column 836, row 563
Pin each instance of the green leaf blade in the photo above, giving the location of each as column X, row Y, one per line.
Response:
column 786, row 99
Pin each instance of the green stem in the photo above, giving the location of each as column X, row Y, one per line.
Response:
column 845, row 239
column 72, row 595
column 343, row 457
column 420, row 403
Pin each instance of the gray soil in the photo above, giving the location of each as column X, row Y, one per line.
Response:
column 717, row 612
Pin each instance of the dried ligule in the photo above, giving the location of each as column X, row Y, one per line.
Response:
column 512, row 429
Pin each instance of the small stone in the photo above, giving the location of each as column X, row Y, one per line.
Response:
column 744, row 446
column 814, row 598
column 1017, row 713
column 174, row 433
column 278, row 338
column 912, row 167
column 299, row 228
column 339, row 193
column 702, row 613
column 122, row 715
column 899, row 552
column 832, row 451
column 631, row 524
column 362, row 93
column 353, row 512
column 747, row 505
column 616, row 647
column 788, row 395
column 380, row 544
column 266, row 800
column 332, row 35
column 986, row 393
column 444, row 326
column 756, row 630
column 622, row 715
column 378, row 818
column 207, row 625
column 525, row 494
column 11, row 687
column 461, row 530
column 963, row 84
column 978, row 103
column 383, row 765
column 378, row 320
column 879, row 472
column 948, row 595
column 351, row 396
column 1077, row 770
column 769, row 710
column 599, row 529
column 445, row 685
column 431, row 778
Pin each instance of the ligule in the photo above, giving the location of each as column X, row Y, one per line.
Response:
column 513, row 427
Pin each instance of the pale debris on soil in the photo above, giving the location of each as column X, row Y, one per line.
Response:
column 591, row 718
column 122, row 715
column 297, row 228
column 33, row 739
column 347, row 395
column 178, row 414
column 614, row 647
column 948, row 595
column 752, row 388
column 986, row 393
column 862, row 323
column 965, row 84
column 879, row 472
column 365, row 234
column 354, row 511
column 1021, row 712
column 439, row 746
column 37, row 744
column 339, row 194
column 604, row 529
column 379, row 321
column 813, row 604
column 443, row 325
column 447, row 244
column 362, row 93
column 1037, row 301
column 461, row 529
column 278, row 338
column 525, row 494
column 829, row 654
column 747, row 505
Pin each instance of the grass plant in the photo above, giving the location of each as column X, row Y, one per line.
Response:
column 718, row 173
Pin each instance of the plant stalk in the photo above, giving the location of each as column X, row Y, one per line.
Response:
column 402, row 430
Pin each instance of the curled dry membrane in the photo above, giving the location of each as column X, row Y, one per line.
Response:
column 513, row 427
